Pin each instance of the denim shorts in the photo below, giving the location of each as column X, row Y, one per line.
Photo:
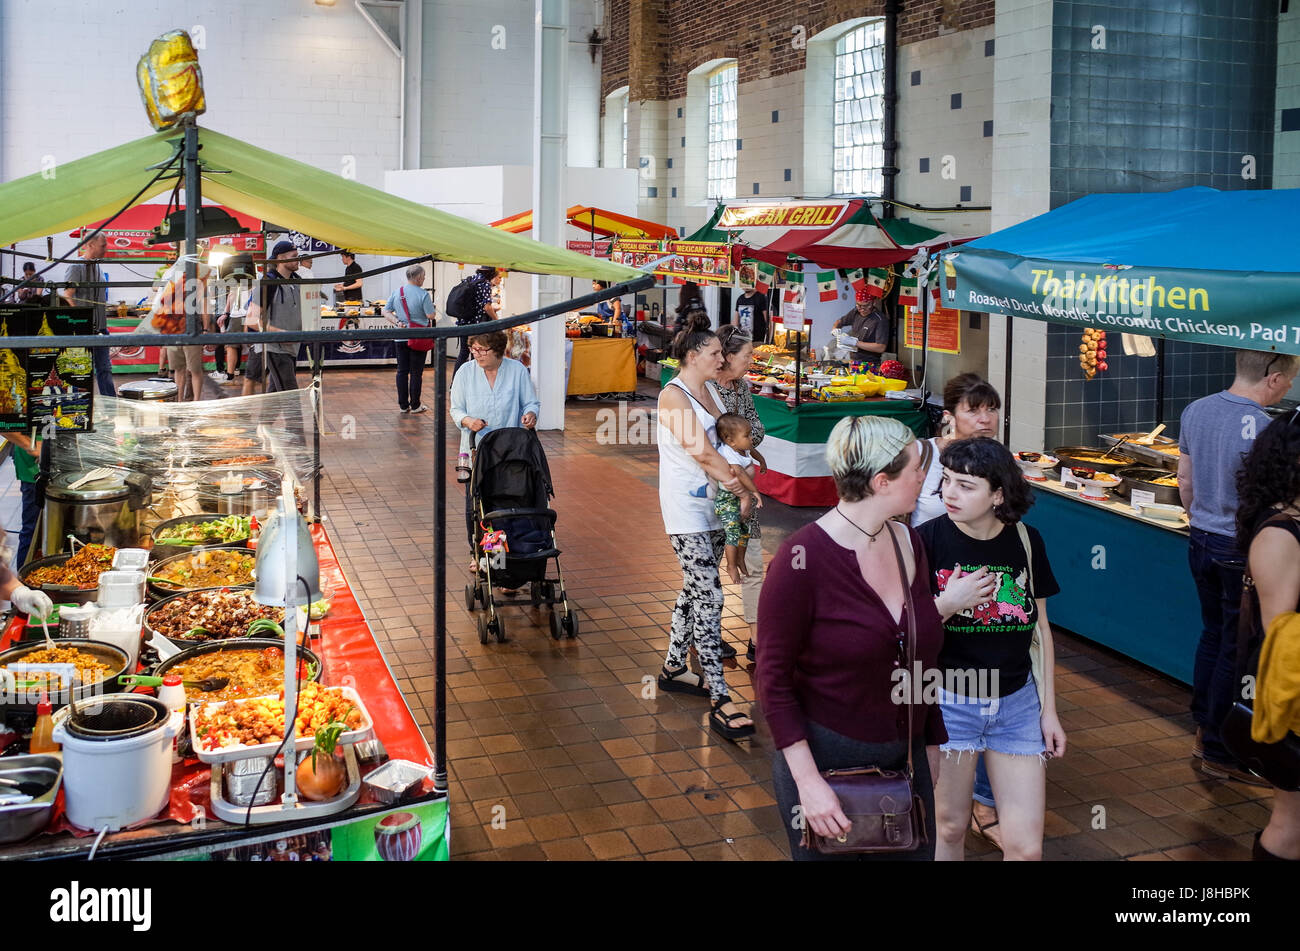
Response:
column 1007, row 724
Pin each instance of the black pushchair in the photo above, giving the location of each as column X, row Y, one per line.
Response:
column 513, row 532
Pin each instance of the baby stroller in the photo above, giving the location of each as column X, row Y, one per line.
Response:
column 514, row 532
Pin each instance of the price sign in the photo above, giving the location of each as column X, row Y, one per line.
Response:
column 1068, row 480
column 1142, row 497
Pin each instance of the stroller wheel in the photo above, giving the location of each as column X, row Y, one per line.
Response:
column 483, row 636
column 498, row 625
column 537, row 591
column 570, row 623
column 471, row 595
column 549, row 589
column 482, row 593
column 556, row 629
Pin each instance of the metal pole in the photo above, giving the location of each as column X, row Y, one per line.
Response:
column 192, row 200
column 798, row 365
column 889, row 123
column 924, row 293
column 440, row 565
column 1006, row 391
column 318, row 392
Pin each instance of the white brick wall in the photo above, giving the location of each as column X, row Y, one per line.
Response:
column 1021, row 179
column 310, row 82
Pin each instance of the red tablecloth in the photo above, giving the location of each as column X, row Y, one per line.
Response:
column 350, row 656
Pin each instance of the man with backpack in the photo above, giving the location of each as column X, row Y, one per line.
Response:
column 470, row 302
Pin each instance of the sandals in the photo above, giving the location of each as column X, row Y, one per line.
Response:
column 983, row 831
column 668, row 681
column 720, row 722
column 750, row 653
column 727, row 650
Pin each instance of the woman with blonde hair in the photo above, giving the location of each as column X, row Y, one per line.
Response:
column 834, row 618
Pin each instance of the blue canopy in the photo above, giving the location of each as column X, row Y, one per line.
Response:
column 1194, row 264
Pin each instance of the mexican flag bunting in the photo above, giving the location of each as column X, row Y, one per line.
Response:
column 878, row 281
column 856, row 278
column 827, row 287
column 793, row 289
column 764, row 277
column 907, row 291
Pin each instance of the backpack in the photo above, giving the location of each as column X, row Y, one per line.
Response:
column 461, row 302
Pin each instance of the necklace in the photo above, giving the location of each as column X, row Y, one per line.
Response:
column 871, row 535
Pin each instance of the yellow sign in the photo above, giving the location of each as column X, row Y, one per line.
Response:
column 818, row 216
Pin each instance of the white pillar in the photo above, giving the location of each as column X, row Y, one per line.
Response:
column 550, row 92
column 412, row 82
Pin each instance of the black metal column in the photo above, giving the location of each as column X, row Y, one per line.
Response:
column 1160, row 382
column 318, row 395
column 440, row 412
column 1006, row 391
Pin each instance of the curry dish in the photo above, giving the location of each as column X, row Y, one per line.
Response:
column 82, row 570
column 90, row 669
column 209, row 569
column 252, row 673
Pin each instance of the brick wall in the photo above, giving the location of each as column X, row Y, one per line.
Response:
column 760, row 34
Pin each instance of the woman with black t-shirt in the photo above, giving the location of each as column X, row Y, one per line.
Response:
column 990, row 699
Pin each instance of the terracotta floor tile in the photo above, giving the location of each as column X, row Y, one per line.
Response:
column 674, row 807
column 608, row 845
column 548, row 828
column 567, row 850
column 652, row 838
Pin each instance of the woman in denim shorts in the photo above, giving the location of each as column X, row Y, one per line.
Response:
column 990, row 699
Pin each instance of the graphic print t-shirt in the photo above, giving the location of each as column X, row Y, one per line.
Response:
column 994, row 635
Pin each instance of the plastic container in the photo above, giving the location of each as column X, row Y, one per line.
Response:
column 121, row 589
column 120, row 627
column 172, row 694
column 42, row 733
column 131, row 559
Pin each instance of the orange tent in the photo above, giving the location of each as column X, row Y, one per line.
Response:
column 596, row 221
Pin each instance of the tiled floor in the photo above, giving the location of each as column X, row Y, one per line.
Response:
column 557, row 752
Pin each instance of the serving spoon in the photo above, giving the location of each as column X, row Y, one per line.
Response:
column 206, row 685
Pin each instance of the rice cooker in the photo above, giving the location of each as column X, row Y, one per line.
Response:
column 105, row 511
column 117, row 759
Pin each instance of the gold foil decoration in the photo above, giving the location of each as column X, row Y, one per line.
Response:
column 171, row 83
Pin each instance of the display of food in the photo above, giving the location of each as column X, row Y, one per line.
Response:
column 234, row 443
column 261, row 719
column 211, row 616
column 82, row 570
column 90, row 669
column 219, row 431
column 207, row 569
column 243, row 461
column 1165, row 480
column 1093, row 475
column 231, row 528
column 251, row 673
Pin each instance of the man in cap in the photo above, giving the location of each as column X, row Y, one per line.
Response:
column 276, row 307
column 868, row 324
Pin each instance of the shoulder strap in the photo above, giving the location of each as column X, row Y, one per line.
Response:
column 1029, row 554
column 401, row 292
column 911, row 641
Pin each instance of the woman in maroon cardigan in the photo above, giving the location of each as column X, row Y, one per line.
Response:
column 832, row 614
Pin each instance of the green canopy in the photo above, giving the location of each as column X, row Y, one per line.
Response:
column 274, row 188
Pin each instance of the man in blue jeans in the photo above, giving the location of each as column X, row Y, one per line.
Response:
column 86, row 272
column 1215, row 434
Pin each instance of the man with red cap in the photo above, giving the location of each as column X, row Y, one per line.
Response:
column 867, row 324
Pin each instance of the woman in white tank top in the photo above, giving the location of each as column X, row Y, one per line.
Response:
column 690, row 470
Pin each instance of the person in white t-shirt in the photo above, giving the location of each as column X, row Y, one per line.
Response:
column 970, row 410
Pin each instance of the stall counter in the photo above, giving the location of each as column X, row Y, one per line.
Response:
column 602, row 365
column 1124, row 578
column 349, row 655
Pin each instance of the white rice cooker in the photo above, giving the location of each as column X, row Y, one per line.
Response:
column 117, row 759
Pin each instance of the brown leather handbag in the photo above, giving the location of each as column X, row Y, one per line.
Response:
column 886, row 813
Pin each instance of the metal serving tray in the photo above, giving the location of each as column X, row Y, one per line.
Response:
column 228, row 753
column 1146, row 454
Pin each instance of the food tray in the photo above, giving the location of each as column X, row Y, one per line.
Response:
column 229, row 753
column 277, row 812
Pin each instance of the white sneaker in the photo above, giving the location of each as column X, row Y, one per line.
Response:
column 404, row 412
column 420, row 409
column 217, row 376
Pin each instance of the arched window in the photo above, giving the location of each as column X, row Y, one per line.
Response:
column 722, row 133
column 858, row 151
column 615, row 147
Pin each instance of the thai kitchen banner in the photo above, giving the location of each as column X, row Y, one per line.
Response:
column 704, row 262
column 1255, row 311
column 46, row 386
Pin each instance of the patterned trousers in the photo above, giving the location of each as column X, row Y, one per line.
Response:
column 697, row 616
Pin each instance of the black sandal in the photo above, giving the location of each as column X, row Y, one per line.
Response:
column 728, row 651
column 720, row 722
column 668, row 681
column 750, row 653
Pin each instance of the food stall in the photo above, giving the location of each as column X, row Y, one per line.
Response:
column 1137, row 264
column 195, row 608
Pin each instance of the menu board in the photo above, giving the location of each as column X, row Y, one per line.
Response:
column 46, row 386
column 945, row 330
column 704, row 262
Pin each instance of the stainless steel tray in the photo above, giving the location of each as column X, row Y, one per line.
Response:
column 1145, row 454
column 276, row 812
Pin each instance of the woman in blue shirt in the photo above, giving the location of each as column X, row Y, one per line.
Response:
column 490, row 392
column 410, row 306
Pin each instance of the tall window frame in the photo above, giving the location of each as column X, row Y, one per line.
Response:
column 858, row 150
column 723, row 89
column 623, row 164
